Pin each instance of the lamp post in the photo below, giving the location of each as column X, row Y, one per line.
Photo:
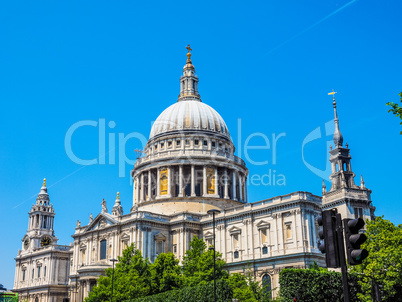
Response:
column 113, row 260
column 213, row 212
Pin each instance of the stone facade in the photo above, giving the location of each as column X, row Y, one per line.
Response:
column 187, row 168
column 42, row 266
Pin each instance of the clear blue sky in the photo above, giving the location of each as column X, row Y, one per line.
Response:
column 268, row 63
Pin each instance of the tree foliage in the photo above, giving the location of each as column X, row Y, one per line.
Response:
column 247, row 289
column 384, row 263
column 165, row 273
column 396, row 109
column 200, row 293
column 131, row 279
column 198, row 264
column 315, row 284
column 165, row 280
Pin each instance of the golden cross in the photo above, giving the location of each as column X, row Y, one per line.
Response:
column 188, row 48
column 332, row 93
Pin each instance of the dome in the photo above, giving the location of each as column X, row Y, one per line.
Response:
column 189, row 115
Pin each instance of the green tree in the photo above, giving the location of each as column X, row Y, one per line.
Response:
column 165, row 273
column 246, row 288
column 396, row 109
column 384, row 263
column 131, row 279
column 198, row 264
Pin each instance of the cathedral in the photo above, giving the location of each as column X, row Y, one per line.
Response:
column 187, row 167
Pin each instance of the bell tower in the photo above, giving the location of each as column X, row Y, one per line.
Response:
column 41, row 218
column 351, row 201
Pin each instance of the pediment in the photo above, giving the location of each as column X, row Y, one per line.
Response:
column 101, row 221
column 160, row 237
column 234, row 230
column 125, row 237
column 208, row 235
column 263, row 225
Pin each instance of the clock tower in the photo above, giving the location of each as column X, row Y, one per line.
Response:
column 41, row 271
column 40, row 227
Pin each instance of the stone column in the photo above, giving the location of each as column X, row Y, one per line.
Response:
column 246, row 251
column 281, row 235
column 169, row 190
column 56, row 279
column 314, row 230
column 138, row 238
column 275, row 232
column 245, row 189
column 234, row 185
column 134, row 190
column 142, row 188
column 181, row 181
column 137, row 189
column 150, row 243
column 204, row 181
column 240, row 188
column 178, row 242
column 192, row 180
column 216, row 182
column 158, row 188
column 295, row 227
column 226, row 185
column 149, row 184
column 88, row 287
column 144, row 241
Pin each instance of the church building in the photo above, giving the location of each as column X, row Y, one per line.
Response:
column 187, row 167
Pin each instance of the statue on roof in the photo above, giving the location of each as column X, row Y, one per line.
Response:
column 104, row 207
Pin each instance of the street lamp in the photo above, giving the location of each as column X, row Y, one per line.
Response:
column 213, row 212
column 113, row 260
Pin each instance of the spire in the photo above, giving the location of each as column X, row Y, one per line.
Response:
column 342, row 175
column 117, row 208
column 189, row 81
column 324, row 187
column 362, row 185
column 41, row 215
column 338, row 138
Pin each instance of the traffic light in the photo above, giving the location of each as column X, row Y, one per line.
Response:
column 328, row 234
column 353, row 240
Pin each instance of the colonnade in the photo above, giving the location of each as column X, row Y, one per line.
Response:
column 41, row 221
column 189, row 181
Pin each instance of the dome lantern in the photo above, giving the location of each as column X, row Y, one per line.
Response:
column 189, row 81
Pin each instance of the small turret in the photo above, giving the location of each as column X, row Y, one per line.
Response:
column 342, row 175
column 41, row 219
column 362, row 185
column 117, row 208
column 189, row 81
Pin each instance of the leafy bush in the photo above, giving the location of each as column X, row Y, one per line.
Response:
column 315, row 285
column 200, row 293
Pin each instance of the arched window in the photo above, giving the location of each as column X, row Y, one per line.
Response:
column 103, row 249
column 265, row 250
column 236, row 254
column 163, row 181
column 36, row 299
column 266, row 283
